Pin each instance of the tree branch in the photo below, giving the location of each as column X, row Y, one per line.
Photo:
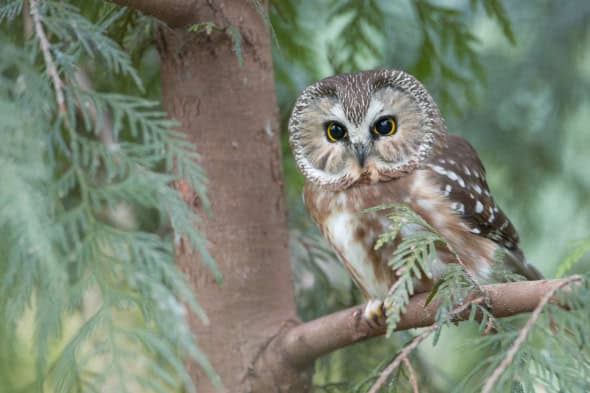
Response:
column 308, row 341
column 175, row 13
column 49, row 63
column 400, row 359
column 411, row 375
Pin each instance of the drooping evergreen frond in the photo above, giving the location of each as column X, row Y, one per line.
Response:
column 76, row 33
column 496, row 10
column 90, row 218
column 9, row 9
column 298, row 28
column 411, row 259
column 359, row 32
column 448, row 52
column 451, row 290
column 574, row 257
column 553, row 355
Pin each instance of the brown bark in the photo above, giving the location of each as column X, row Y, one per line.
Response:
column 175, row 13
column 229, row 112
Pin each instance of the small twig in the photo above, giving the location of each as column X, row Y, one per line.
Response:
column 405, row 352
column 49, row 63
column 106, row 133
column 397, row 283
column 411, row 375
column 522, row 335
column 401, row 357
column 489, row 326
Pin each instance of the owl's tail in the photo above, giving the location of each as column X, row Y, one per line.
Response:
column 516, row 261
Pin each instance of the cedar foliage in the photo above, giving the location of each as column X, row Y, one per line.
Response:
column 89, row 216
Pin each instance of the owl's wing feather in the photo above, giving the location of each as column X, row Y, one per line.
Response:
column 461, row 177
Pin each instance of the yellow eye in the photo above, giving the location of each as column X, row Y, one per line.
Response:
column 385, row 126
column 335, row 131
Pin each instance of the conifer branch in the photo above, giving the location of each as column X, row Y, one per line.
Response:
column 403, row 356
column 106, row 133
column 313, row 339
column 49, row 63
column 406, row 350
column 522, row 335
column 411, row 375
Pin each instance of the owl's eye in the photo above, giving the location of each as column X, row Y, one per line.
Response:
column 335, row 131
column 385, row 126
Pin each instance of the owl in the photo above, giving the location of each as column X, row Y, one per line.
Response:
column 377, row 137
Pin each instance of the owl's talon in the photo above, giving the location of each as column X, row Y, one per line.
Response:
column 374, row 313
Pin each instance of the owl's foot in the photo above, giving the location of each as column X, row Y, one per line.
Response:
column 374, row 313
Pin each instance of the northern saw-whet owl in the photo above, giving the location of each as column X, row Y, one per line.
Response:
column 377, row 137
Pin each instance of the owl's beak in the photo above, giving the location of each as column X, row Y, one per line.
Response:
column 360, row 151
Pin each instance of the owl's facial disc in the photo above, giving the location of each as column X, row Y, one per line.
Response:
column 372, row 125
column 358, row 139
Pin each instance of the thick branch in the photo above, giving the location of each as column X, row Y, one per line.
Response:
column 308, row 341
column 175, row 13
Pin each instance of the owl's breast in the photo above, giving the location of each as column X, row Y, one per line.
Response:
column 353, row 237
column 352, row 233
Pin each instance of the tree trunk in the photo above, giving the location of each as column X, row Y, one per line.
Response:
column 230, row 113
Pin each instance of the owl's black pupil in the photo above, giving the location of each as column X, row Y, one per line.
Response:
column 383, row 126
column 337, row 131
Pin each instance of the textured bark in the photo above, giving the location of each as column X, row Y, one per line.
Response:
column 175, row 13
column 229, row 112
column 306, row 342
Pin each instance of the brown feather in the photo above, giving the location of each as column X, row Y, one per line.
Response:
column 438, row 175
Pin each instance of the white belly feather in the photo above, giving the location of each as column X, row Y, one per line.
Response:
column 340, row 229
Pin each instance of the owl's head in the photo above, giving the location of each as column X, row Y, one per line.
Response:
column 361, row 127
